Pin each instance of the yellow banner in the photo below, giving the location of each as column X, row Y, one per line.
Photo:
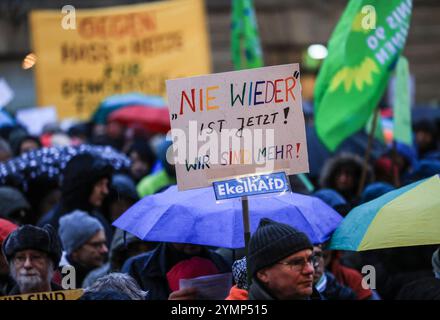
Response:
column 52, row 295
column 85, row 55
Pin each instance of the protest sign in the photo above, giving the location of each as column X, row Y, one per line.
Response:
column 116, row 50
column 52, row 295
column 34, row 119
column 6, row 93
column 237, row 123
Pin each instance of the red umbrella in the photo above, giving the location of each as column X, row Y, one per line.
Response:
column 156, row 120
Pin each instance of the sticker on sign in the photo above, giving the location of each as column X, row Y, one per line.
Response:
column 251, row 185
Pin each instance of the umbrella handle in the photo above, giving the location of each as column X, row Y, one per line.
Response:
column 247, row 232
column 246, row 227
column 367, row 155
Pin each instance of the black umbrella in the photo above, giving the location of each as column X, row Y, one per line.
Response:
column 50, row 162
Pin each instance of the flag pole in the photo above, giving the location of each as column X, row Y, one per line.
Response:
column 246, row 227
column 247, row 233
column 395, row 169
column 367, row 153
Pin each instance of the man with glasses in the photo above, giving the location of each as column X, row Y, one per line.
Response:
column 281, row 263
column 84, row 243
column 325, row 282
column 33, row 255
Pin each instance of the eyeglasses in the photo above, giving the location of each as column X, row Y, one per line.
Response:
column 298, row 264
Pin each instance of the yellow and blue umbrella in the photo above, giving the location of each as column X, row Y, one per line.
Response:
column 408, row 216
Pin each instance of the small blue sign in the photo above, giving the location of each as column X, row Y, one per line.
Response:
column 251, row 185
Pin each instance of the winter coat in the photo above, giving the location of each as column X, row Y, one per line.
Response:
column 403, row 265
column 154, row 182
column 332, row 290
column 80, row 176
column 150, row 269
column 237, row 294
column 351, row 278
column 427, row 288
column 6, row 284
column 80, row 272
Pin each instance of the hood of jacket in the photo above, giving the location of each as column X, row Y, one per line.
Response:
column 333, row 166
column 79, row 178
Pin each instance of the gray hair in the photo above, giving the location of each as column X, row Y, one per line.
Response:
column 119, row 282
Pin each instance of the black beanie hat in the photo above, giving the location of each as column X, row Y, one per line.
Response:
column 272, row 242
column 30, row 237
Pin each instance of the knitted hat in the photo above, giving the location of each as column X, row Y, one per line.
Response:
column 188, row 269
column 77, row 228
column 272, row 242
column 239, row 273
column 30, row 237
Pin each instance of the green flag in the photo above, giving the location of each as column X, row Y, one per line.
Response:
column 362, row 53
column 245, row 41
column 401, row 104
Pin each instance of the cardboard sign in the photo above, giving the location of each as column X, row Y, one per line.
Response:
column 34, row 119
column 52, row 295
column 86, row 55
column 6, row 93
column 251, row 185
column 237, row 123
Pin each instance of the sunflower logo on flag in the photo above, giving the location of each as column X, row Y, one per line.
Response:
column 355, row 76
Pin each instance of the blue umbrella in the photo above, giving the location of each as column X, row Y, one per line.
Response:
column 195, row 217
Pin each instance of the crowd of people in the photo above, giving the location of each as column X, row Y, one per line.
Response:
column 51, row 223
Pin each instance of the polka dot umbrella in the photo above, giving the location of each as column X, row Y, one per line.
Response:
column 50, row 162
